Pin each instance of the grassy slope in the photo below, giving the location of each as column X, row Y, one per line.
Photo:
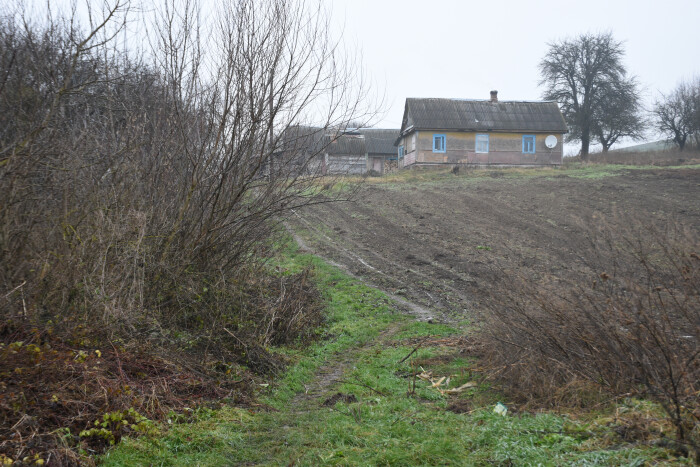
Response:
column 572, row 169
column 380, row 429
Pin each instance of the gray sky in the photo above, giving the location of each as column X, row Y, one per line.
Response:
column 453, row 48
column 465, row 48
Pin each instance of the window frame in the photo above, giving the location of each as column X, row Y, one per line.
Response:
column 440, row 136
column 533, row 138
column 476, row 143
column 402, row 151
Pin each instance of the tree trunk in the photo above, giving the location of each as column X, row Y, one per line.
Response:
column 585, row 143
column 680, row 140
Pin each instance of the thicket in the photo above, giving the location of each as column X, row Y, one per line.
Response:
column 625, row 322
column 143, row 172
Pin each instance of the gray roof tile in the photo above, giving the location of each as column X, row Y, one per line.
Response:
column 350, row 142
column 380, row 141
column 483, row 115
column 346, row 145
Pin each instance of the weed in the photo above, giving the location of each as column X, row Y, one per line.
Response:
column 114, row 425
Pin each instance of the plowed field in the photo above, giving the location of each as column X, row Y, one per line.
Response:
column 444, row 240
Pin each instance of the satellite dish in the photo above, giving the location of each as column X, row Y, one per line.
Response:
column 550, row 141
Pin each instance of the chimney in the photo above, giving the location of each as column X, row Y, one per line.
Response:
column 494, row 96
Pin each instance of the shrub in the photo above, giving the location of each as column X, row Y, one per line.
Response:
column 140, row 194
column 627, row 323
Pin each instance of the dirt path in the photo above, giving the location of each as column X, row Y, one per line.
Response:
column 421, row 313
column 331, row 374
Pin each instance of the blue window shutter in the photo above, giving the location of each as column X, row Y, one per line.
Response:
column 439, row 143
column 481, row 144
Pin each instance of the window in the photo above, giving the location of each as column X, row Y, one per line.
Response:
column 401, row 152
column 528, row 144
column 439, row 144
column 482, row 143
column 413, row 142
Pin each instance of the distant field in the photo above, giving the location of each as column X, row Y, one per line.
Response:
column 659, row 158
column 442, row 240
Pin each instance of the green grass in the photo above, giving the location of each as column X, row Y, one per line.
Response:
column 440, row 176
column 386, row 426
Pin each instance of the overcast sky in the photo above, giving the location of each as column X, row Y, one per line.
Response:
column 464, row 49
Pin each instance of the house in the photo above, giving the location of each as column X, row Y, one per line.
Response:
column 361, row 150
column 332, row 151
column 481, row 132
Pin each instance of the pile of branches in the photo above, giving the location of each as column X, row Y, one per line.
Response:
column 629, row 326
column 63, row 396
column 53, row 391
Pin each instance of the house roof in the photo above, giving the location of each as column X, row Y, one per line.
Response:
column 482, row 115
column 380, row 141
column 303, row 138
column 348, row 142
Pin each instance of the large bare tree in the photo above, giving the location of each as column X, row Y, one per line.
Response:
column 584, row 74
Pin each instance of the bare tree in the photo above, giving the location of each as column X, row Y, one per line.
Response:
column 619, row 115
column 582, row 74
column 677, row 114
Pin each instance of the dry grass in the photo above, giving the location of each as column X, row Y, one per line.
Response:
column 52, row 390
column 628, row 326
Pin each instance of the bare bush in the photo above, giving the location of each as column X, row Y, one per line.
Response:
column 628, row 323
column 129, row 182
column 142, row 179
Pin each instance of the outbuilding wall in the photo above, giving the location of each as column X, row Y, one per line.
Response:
column 344, row 164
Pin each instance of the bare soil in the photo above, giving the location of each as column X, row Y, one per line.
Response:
column 443, row 244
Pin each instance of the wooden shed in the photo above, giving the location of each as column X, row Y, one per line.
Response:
column 380, row 151
column 345, row 154
column 354, row 151
column 481, row 132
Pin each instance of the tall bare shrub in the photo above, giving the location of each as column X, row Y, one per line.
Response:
column 141, row 180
